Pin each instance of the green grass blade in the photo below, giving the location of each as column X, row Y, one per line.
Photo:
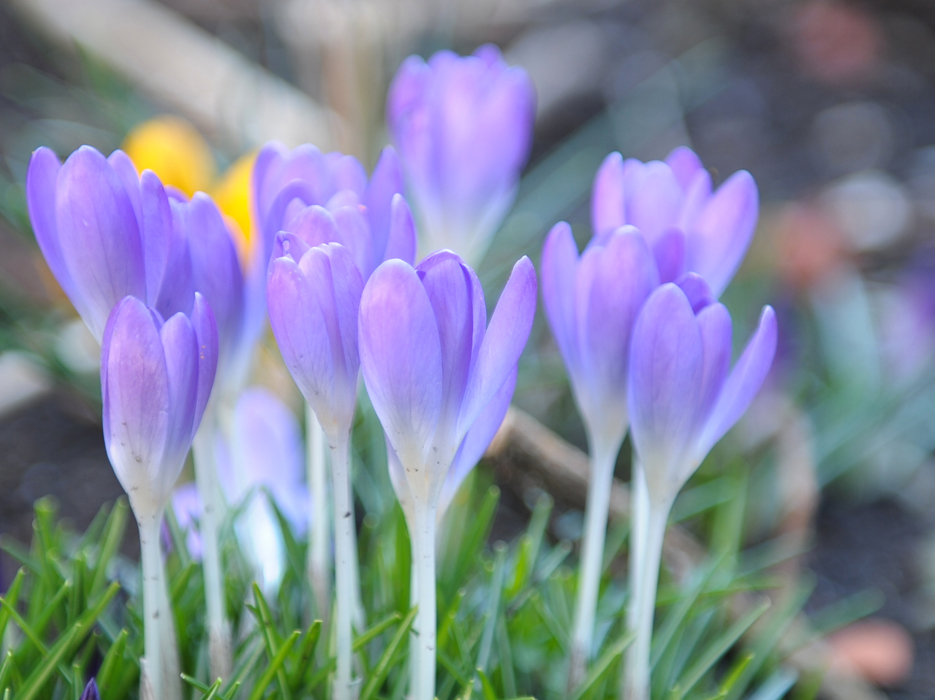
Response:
column 275, row 666
column 382, row 669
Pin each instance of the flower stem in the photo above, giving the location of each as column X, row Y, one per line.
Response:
column 209, row 487
column 160, row 654
column 422, row 687
column 345, row 553
column 603, row 459
column 649, row 523
column 319, row 551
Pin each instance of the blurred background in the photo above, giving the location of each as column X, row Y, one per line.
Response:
column 830, row 105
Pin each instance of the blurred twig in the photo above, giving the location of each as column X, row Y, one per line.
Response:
column 187, row 69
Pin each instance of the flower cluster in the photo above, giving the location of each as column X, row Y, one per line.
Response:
column 178, row 292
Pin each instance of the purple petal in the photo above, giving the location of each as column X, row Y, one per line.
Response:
column 315, row 225
column 136, row 397
column 180, row 347
column 559, row 266
column 206, row 332
column 696, row 290
column 354, row 235
column 666, row 372
column 685, row 165
column 656, row 203
column 669, row 251
column 347, row 173
column 401, row 238
column 216, row 269
column 716, row 328
column 267, row 437
column 155, row 217
column 41, row 178
column 186, row 502
column 126, row 171
column 98, row 234
column 299, row 326
column 611, row 286
column 504, row 341
column 476, row 442
column 607, row 198
column 450, row 292
column 345, row 293
column 743, row 383
column 288, row 245
column 400, row 356
column 718, row 243
column 379, row 198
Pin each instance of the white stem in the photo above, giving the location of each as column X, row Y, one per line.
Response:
column 644, row 578
column 345, row 552
column 153, row 606
column 603, row 459
column 212, row 500
column 413, row 601
column 172, row 686
column 319, row 550
column 422, row 687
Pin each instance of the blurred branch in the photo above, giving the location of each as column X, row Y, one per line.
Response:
column 187, row 69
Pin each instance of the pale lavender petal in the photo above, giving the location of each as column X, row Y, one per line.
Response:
column 685, row 165
column 607, row 198
column 743, row 383
column 354, row 234
column 696, row 290
column 718, row 243
column 697, row 195
column 559, row 267
column 288, row 245
column 206, row 331
column 716, row 328
column 476, row 442
column 666, row 371
column 315, row 225
column 155, row 217
column 385, row 184
column 504, row 341
column 347, row 173
column 669, row 251
column 401, row 237
column 400, row 357
column 136, row 398
column 347, row 287
column 186, row 502
column 41, row 178
column 656, row 203
column 611, row 286
column 450, row 292
column 299, row 326
column 180, row 347
column 126, row 171
column 216, row 268
column 98, row 235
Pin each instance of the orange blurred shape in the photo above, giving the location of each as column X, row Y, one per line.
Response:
column 810, row 245
column 879, row 651
column 232, row 195
column 173, row 149
column 835, row 42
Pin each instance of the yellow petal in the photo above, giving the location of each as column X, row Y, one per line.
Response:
column 232, row 195
column 173, row 149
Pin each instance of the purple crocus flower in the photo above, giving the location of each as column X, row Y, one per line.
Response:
column 432, row 366
column 683, row 394
column 287, row 182
column 102, row 229
column 689, row 227
column 155, row 382
column 463, row 128
column 313, row 299
column 90, row 691
column 683, row 397
column 591, row 303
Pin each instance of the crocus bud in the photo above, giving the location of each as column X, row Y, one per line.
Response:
column 313, row 300
column 683, row 394
column 592, row 303
column 463, row 129
column 689, row 227
column 90, row 691
column 155, row 382
column 432, row 365
column 102, row 229
column 286, row 182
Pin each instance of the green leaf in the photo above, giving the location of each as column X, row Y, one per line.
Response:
column 603, row 664
column 275, row 667
column 113, row 535
column 382, row 669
